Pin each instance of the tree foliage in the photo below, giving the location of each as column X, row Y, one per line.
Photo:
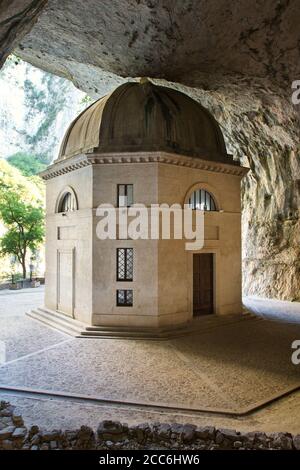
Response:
column 27, row 164
column 22, row 213
column 25, row 227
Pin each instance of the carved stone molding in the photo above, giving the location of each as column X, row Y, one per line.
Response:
column 79, row 161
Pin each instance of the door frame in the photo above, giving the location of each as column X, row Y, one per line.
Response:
column 197, row 284
column 70, row 251
column 216, row 284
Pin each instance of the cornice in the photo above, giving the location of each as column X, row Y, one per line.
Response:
column 80, row 161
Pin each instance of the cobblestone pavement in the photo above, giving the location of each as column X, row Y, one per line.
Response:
column 231, row 368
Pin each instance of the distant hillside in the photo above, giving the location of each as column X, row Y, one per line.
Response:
column 35, row 110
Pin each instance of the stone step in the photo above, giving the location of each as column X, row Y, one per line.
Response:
column 72, row 327
column 204, row 321
column 54, row 322
column 62, row 316
column 92, row 329
column 75, row 328
column 138, row 332
column 123, row 334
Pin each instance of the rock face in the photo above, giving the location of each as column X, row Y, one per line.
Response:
column 239, row 60
column 16, row 19
column 31, row 125
column 87, row 41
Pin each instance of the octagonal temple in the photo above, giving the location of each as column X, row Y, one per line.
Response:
column 141, row 144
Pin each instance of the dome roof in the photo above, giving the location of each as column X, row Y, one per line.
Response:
column 141, row 117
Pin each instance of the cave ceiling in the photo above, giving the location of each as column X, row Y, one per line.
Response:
column 97, row 44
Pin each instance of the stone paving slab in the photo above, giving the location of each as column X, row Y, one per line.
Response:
column 197, row 372
column 249, row 363
column 21, row 335
column 233, row 368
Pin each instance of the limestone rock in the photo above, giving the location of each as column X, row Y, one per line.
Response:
column 7, row 432
column 153, row 38
column 188, row 433
column 19, row 433
column 7, row 445
column 296, row 442
column 229, row 434
column 282, row 441
column 112, row 430
column 51, row 436
column 206, row 432
column 17, row 420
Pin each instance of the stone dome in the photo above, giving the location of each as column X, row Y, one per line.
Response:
column 143, row 117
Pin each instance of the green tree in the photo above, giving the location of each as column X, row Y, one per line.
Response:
column 21, row 212
column 27, row 164
column 25, row 226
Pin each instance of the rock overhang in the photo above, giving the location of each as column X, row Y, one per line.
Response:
column 95, row 43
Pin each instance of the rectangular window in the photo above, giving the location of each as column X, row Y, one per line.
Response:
column 125, row 195
column 124, row 298
column 124, row 264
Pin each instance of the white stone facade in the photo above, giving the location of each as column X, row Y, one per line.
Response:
column 81, row 269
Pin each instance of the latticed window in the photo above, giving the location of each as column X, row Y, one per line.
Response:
column 124, row 297
column 124, row 264
column 125, row 195
column 203, row 200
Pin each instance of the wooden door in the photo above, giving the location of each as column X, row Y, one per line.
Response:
column 203, row 284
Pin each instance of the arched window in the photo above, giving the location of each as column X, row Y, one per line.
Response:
column 67, row 201
column 203, row 200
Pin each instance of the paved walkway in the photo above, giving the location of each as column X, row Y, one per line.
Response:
column 230, row 368
column 278, row 310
